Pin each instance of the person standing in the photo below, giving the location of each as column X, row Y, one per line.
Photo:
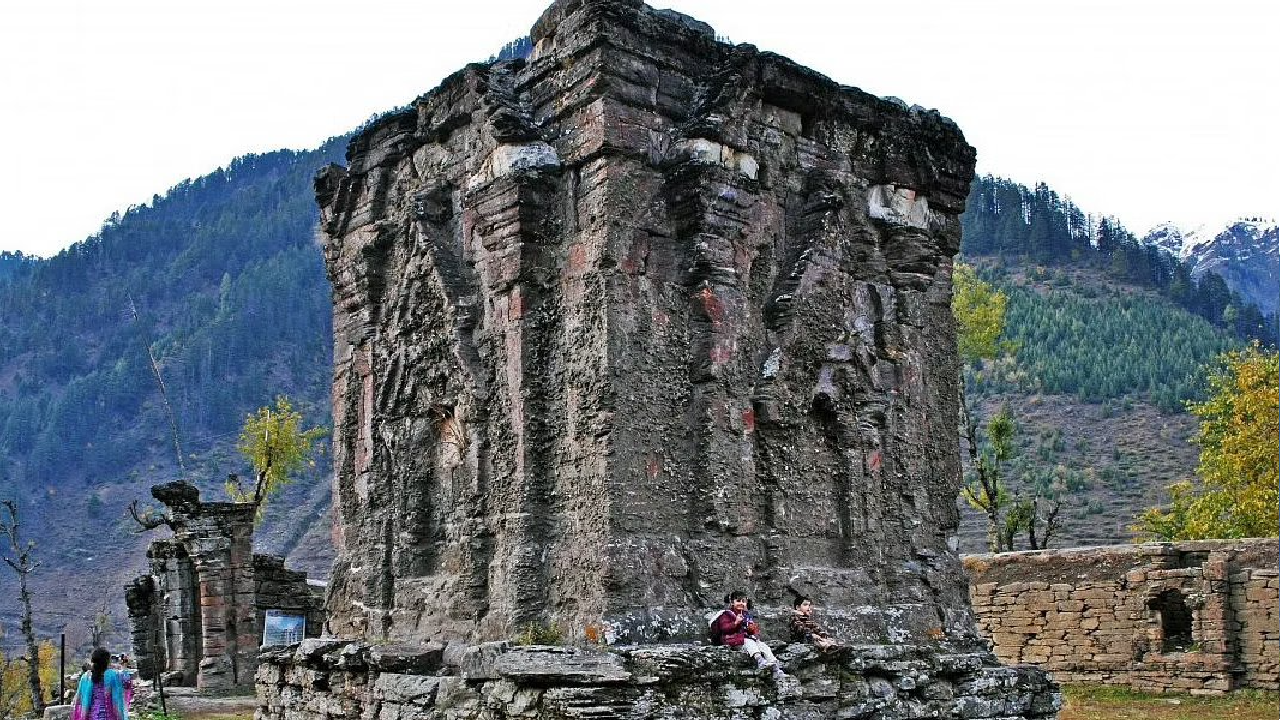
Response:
column 100, row 695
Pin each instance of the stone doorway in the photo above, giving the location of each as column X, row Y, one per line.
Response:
column 1175, row 619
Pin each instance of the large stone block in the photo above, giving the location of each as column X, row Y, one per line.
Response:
column 561, row 666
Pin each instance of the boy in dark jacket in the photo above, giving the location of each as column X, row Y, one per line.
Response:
column 805, row 629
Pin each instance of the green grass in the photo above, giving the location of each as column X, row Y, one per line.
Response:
column 1092, row 702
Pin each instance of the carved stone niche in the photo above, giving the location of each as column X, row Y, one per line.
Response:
column 637, row 321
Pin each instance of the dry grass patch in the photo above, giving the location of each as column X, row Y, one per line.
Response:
column 1080, row 702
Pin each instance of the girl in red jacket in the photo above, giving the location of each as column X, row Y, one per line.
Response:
column 735, row 627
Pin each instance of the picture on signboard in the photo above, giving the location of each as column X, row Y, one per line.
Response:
column 283, row 628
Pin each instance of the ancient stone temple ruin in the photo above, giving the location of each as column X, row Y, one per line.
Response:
column 197, row 615
column 1200, row 617
column 621, row 327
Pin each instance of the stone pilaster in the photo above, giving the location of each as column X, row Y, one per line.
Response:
column 220, row 541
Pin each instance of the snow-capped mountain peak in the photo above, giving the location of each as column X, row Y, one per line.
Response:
column 1246, row 254
column 1175, row 240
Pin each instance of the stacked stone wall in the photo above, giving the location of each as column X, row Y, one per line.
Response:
column 197, row 615
column 1197, row 617
column 279, row 588
column 1253, row 601
column 322, row 679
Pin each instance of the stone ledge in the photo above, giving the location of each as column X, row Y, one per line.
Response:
column 495, row 680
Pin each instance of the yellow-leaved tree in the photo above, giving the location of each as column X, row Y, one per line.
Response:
column 1238, row 490
column 979, row 310
column 273, row 441
column 15, row 691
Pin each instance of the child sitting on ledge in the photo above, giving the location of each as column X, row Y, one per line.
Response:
column 735, row 627
column 805, row 629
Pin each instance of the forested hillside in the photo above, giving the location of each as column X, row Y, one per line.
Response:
column 1079, row 334
column 1110, row 337
column 221, row 282
column 220, row 279
column 1095, row 389
column 1039, row 227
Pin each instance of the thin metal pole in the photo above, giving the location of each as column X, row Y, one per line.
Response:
column 62, row 669
column 157, row 635
column 160, row 688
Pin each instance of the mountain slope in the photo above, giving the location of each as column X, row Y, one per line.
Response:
column 221, row 282
column 1026, row 225
column 1096, row 390
column 1247, row 256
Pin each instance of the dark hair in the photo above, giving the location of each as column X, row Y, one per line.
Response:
column 735, row 595
column 799, row 601
column 100, row 659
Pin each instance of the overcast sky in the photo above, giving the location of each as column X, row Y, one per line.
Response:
column 1144, row 109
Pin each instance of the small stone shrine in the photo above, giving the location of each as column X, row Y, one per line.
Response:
column 197, row 615
column 1199, row 616
column 621, row 327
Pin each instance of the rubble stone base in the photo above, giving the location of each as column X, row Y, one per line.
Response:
column 330, row 678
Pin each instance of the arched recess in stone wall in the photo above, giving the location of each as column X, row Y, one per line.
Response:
column 1174, row 619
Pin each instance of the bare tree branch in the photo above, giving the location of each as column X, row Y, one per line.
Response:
column 148, row 520
column 23, row 566
column 164, row 396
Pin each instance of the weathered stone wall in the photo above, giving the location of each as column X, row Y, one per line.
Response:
column 196, row 615
column 325, row 679
column 279, row 588
column 1200, row 617
column 164, row 613
column 219, row 539
column 644, row 319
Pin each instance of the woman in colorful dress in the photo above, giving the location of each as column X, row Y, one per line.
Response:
column 101, row 692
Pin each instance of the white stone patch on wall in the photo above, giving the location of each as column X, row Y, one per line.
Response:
column 401, row 688
column 507, row 159
column 701, row 150
column 900, row 206
column 736, row 697
column 772, row 364
column 785, row 120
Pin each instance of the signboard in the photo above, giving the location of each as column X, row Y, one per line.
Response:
column 283, row 628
